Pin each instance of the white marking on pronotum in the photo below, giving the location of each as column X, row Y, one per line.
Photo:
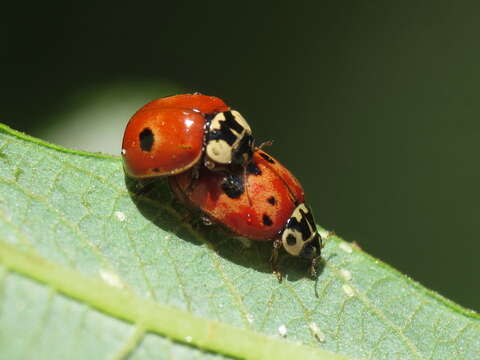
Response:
column 188, row 339
column 250, row 318
column 347, row 275
column 282, row 330
column 345, row 247
column 120, row 216
column 111, row 278
column 124, row 151
column 348, row 290
column 317, row 332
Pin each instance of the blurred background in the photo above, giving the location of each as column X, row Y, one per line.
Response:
column 374, row 106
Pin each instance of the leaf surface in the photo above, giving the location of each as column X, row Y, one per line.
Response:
column 90, row 270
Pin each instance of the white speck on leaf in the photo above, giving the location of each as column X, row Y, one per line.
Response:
column 347, row 275
column 120, row 216
column 317, row 332
column 188, row 339
column 348, row 290
column 111, row 278
column 282, row 330
column 250, row 318
column 345, row 247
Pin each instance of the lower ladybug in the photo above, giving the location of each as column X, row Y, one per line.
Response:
column 265, row 202
column 170, row 135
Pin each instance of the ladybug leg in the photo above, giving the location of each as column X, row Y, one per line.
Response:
column 196, row 171
column 313, row 268
column 206, row 220
column 195, row 175
column 274, row 259
column 193, row 184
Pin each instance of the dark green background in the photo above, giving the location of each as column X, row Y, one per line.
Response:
column 374, row 106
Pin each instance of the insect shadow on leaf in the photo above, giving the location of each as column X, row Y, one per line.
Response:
column 155, row 202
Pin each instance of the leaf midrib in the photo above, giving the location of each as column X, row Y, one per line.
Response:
column 154, row 317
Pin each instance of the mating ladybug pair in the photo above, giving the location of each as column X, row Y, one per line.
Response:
column 207, row 151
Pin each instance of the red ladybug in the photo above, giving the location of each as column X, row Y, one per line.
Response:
column 170, row 135
column 265, row 202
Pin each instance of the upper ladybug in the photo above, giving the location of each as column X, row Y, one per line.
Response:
column 170, row 135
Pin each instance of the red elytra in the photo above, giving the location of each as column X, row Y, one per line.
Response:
column 258, row 209
column 166, row 136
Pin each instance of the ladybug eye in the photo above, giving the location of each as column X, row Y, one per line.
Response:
column 146, row 139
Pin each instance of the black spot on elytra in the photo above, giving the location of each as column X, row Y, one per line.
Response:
column 266, row 157
column 156, row 170
column 146, row 139
column 253, row 169
column 266, row 220
column 272, row 200
column 291, row 240
column 232, row 185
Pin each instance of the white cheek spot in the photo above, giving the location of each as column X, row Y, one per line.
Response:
column 282, row 330
column 120, row 216
column 219, row 151
column 316, row 332
column 111, row 279
column 296, row 248
column 347, row 275
column 188, row 339
column 124, row 151
column 348, row 290
column 345, row 247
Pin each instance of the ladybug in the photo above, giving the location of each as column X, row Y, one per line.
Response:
column 265, row 202
column 170, row 135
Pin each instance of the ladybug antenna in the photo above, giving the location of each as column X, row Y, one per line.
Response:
column 245, row 184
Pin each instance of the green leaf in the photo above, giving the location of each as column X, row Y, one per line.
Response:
column 88, row 270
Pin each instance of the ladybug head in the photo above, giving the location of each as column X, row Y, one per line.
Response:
column 229, row 139
column 300, row 236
